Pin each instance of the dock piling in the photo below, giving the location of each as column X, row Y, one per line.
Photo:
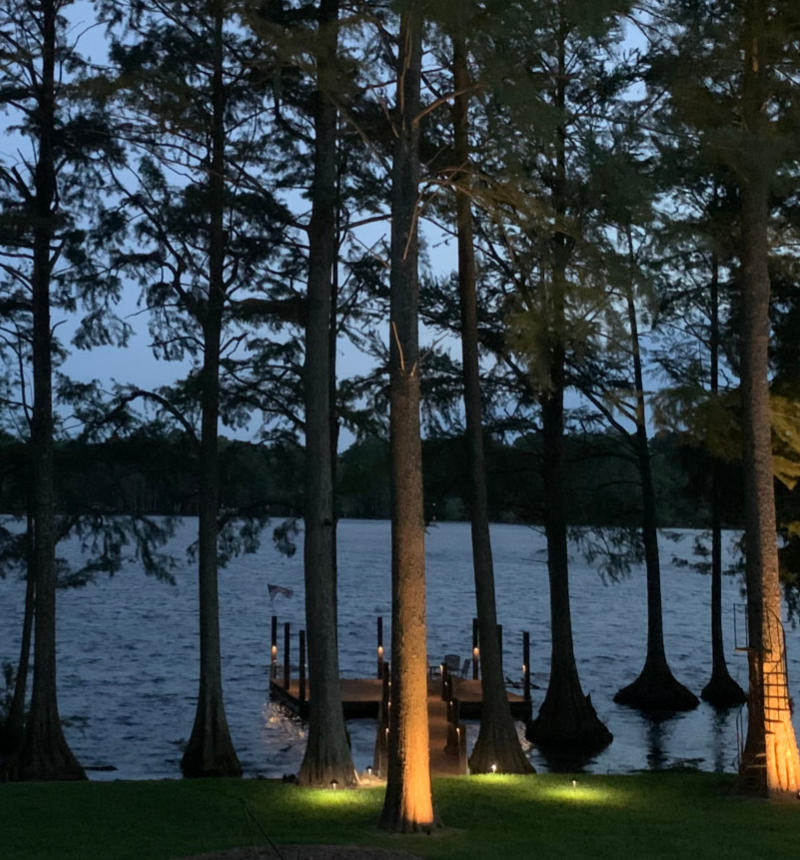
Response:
column 476, row 652
column 287, row 632
column 500, row 643
column 381, row 756
column 273, row 648
column 526, row 665
column 380, row 646
column 447, row 683
column 302, row 669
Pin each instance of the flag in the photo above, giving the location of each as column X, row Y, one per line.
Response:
column 278, row 589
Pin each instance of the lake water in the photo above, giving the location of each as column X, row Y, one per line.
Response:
column 128, row 651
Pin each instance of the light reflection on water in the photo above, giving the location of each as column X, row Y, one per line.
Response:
column 128, row 649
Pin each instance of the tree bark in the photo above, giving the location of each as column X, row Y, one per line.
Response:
column 407, row 804
column 45, row 754
column 567, row 719
column 210, row 751
column 14, row 729
column 497, row 743
column 721, row 690
column 656, row 688
column 770, row 763
column 327, row 756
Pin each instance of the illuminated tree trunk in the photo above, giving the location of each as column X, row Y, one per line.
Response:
column 770, row 762
column 210, row 750
column 497, row 743
column 408, row 804
column 327, row 757
column 45, row 754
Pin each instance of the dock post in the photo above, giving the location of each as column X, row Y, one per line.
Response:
column 273, row 648
column 476, row 654
column 381, row 756
column 302, row 680
column 456, row 734
column 500, row 643
column 380, row 646
column 526, row 665
column 453, row 713
column 447, row 683
column 287, row 632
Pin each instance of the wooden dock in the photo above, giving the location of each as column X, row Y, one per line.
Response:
column 361, row 697
column 452, row 696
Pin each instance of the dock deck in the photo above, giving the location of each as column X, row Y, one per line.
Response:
column 361, row 698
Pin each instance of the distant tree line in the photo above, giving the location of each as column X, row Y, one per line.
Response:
column 148, row 474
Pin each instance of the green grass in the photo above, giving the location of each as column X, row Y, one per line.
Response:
column 668, row 814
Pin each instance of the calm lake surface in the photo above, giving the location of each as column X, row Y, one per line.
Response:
column 128, row 650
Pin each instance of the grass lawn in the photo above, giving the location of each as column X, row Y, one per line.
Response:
column 668, row 814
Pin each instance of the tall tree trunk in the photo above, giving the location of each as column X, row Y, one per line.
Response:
column 770, row 762
column 45, row 754
column 210, row 751
column 408, row 805
column 656, row 688
column 327, row 757
column 497, row 743
column 567, row 719
column 14, row 730
column 721, row 690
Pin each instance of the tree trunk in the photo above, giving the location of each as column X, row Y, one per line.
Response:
column 567, row 719
column 45, row 754
column 327, row 757
column 721, row 690
column 210, row 751
column 14, row 730
column 497, row 744
column 770, row 762
column 656, row 688
column 407, row 804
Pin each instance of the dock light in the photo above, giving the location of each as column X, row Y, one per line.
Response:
column 380, row 650
column 334, row 784
column 574, row 783
column 524, row 667
column 494, row 768
column 274, row 650
column 475, row 651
